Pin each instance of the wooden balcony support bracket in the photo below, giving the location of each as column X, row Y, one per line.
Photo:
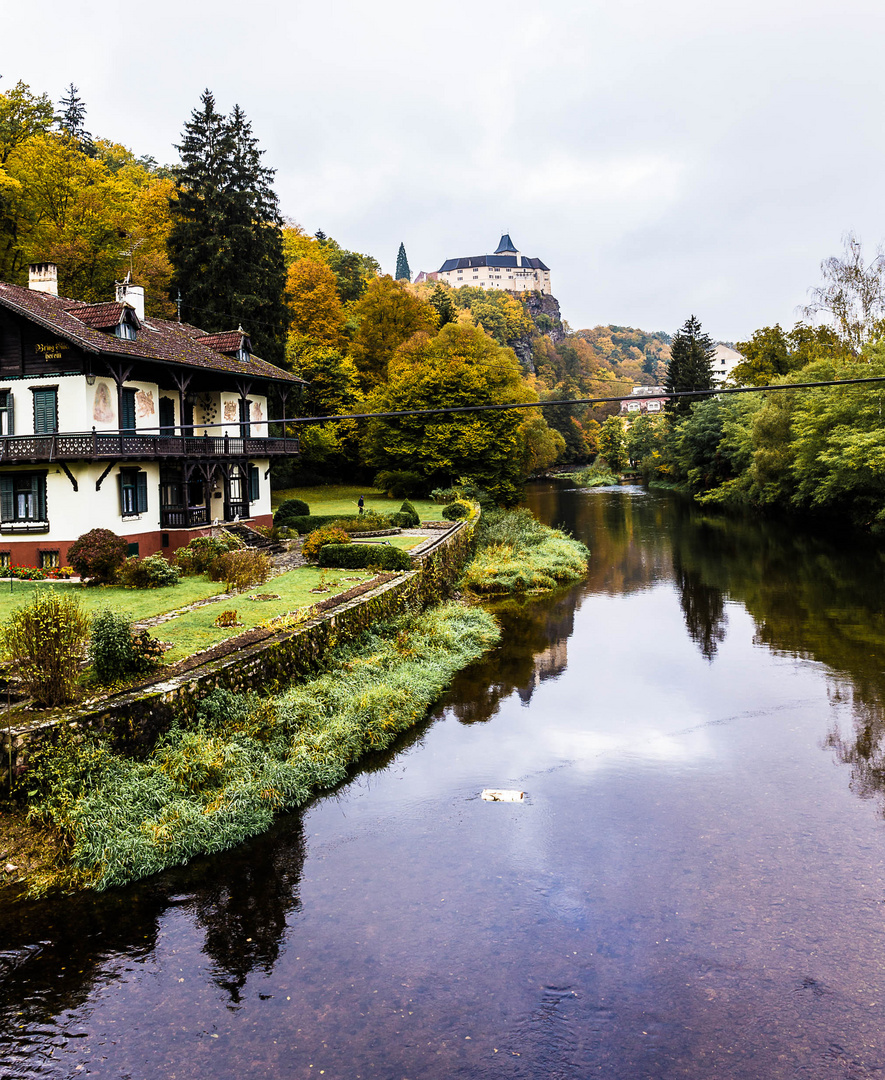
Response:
column 103, row 476
column 70, row 476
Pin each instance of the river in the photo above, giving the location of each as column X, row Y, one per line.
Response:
column 693, row 886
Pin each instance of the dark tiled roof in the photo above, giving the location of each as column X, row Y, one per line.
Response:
column 505, row 245
column 98, row 316
column 158, row 339
column 491, row 260
column 228, row 342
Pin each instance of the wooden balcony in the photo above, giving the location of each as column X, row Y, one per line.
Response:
column 133, row 446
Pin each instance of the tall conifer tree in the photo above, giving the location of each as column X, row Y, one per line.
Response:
column 403, row 273
column 72, row 117
column 226, row 243
column 690, row 368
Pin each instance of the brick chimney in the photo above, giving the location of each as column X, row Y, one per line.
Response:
column 43, row 277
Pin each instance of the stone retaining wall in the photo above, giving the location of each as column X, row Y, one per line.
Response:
column 135, row 720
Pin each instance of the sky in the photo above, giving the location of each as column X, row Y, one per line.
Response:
column 662, row 158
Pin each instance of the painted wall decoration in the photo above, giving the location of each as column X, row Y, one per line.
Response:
column 232, row 410
column 102, row 408
column 144, row 403
column 255, row 412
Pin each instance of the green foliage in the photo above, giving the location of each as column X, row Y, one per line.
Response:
column 770, row 352
column 595, row 475
column 364, row 523
column 208, row 787
column 152, row 572
column 98, row 555
column 403, row 273
column 442, row 303
column 460, row 366
column 612, row 445
column 364, row 556
column 46, row 640
column 517, row 553
column 240, row 569
column 408, row 511
column 691, row 352
column 289, row 509
column 399, row 483
column 116, row 652
column 226, row 242
column 456, row 510
column 387, row 316
column 202, row 551
column 329, row 534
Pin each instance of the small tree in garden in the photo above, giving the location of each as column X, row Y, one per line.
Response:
column 328, row 534
column 240, row 569
column 116, row 652
column 46, row 641
column 98, row 555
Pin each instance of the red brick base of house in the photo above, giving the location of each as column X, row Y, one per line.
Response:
column 33, row 551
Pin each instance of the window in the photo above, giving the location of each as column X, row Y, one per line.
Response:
column 5, row 560
column 133, row 492
column 125, row 330
column 127, row 417
column 23, row 497
column 45, row 410
column 48, row 560
column 245, row 430
column 253, row 483
column 7, row 426
column 167, row 416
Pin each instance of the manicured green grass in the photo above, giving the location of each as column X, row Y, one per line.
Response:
column 139, row 603
column 196, row 630
column 342, row 499
column 404, row 542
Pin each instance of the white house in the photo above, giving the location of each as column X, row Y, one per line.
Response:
column 644, row 399
column 108, row 418
column 724, row 361
column 506, row 269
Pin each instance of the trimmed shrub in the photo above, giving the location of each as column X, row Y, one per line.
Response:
column 330, row 534
column 202, row 551
column 408, row 511
column 369, row 520
column 455, row 511
column 364, row 557
column 400, row 484
column 98, row 555
column 46, row 641
column 152, row 572
column 291, row 508
column 240, row 569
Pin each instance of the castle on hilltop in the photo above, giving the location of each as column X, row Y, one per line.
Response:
column 506, row 269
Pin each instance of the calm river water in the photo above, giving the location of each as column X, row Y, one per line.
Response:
column 693, row 888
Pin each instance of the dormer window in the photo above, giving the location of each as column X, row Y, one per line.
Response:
column 125, row 330
column 243, row 353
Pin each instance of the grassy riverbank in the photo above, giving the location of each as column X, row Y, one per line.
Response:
column 221, row 780
column 516, row 553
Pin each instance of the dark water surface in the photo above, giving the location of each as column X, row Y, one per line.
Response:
column 693, row 888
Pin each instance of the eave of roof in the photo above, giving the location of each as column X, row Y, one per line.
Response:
column 159, row 340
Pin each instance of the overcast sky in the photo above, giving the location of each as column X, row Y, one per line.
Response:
column 662, row 158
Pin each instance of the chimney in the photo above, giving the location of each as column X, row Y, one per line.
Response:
column 43, row 277
column 127, row 293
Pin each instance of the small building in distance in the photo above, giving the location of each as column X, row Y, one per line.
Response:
column 506, row 269
column 644, row 399
column 725, row 360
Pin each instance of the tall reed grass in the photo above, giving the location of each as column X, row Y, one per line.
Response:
column 516, row 553
column 211, row 785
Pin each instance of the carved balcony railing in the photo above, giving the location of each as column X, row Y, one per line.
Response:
column 120, row 445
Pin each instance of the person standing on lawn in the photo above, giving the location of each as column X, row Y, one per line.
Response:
column 360, row 504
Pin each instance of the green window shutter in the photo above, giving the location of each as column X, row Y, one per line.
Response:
column 10, row 412
column 45, row 412
column 127, row 420
column 253, row 483
column 141, row 498
column 7, row 499
column 38, row 486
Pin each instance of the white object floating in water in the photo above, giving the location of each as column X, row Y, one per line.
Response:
column 494, row 795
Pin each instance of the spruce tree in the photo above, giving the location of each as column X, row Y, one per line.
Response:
column 445, row 307
column 226, row 243
column 72, row 118
column 403, row 273
column 690, row 368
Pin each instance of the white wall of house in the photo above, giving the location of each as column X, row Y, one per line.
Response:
column 499, row 277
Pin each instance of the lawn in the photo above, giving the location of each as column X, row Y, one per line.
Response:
column 342, row 499
column 139, row 603
column 196, row 630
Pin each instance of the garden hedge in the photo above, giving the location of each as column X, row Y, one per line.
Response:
column 363, row 556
